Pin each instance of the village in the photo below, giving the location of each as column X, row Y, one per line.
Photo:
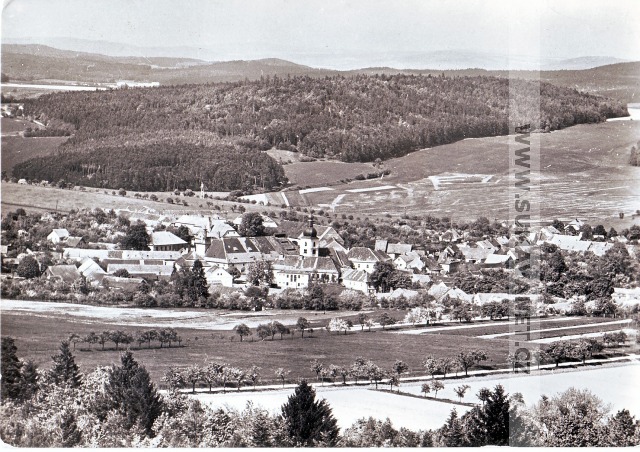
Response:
column 294, row 256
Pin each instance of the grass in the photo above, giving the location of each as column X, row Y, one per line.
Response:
column 38, row 337
column 505, row 326
column 16, row 149
column 320, row 173
column 9, row 125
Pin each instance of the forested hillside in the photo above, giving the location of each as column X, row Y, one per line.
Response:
column 190, row 133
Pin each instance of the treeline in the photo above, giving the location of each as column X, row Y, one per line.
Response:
column 142, row 337
column 353, row 119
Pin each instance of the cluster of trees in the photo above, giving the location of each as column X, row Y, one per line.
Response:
column 163, row 336
column 565, row 277
column 464, row 360
column 158, row 164
column 210, row 374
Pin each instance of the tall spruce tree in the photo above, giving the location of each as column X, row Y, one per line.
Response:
column 65, row 370
column 133, row 393
column 308, row 421
column 198, row 287
column 10, row 370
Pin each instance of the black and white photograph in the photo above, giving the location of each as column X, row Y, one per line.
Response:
column 320, row 223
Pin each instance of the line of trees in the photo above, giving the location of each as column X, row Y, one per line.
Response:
column 164, row 336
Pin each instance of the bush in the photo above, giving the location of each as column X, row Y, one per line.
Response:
column 359, row 177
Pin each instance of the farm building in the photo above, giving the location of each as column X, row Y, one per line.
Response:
column 218, row 276
column 409, row 262
column 356, row 280
column 166, row 241
column 58, row 235
column 239, row 252
column 143, row 271
column 365, row 259
column 117, row 283
column 91, row 271
column 300, row 271
column 67, row 274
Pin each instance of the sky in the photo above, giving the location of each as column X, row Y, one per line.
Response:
column 335, row 33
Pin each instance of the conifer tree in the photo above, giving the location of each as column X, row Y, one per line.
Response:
column 65, row 370
column 309, row 422
column 133, row 393
column 10, row 370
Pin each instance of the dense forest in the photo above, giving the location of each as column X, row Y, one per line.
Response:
column 135, row 133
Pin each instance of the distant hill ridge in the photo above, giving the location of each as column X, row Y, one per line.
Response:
column 33, row 62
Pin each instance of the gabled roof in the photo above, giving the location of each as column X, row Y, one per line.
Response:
column 494, row 259
column 73, row 241
column 116, row 282
column 61, row 233
column 156, row 270
column 295, row 229
column 66, row 273
column 476, row 254
column 350, row 274
column 398, row 248
column 221, row 229
column 305, row 264
column 91, row 270
column 164, row 238
column 363, row 254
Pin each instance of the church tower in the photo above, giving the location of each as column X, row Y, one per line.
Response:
column 309, row 241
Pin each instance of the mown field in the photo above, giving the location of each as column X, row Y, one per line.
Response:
column 38, row 337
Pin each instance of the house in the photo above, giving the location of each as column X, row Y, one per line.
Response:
column 410, row 262
column 240, row 252
column 74, row 242
column 356, row 280
column 300, row 271
column 365, row 259
column 396, row 249
column 166, row 241
column 155, row 272
column 67, row 274
column 499, row 261
column 475, row 255
column 196, row 223
column 58, row 235
column 218, row 276
column 431, row 265
column 573, row 227
column 570, row 243
column 91, row 271
column 449, row 266
column 117, row 283
column 221, row 229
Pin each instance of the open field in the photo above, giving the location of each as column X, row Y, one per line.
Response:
column 503, row 327
column 16, row 149
column 14, row 125
column 583, row 173
column 612, row 384
column 324, row 172
column 38, row 335
column 349, row 405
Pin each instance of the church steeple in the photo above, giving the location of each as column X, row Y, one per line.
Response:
column 309, row 240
